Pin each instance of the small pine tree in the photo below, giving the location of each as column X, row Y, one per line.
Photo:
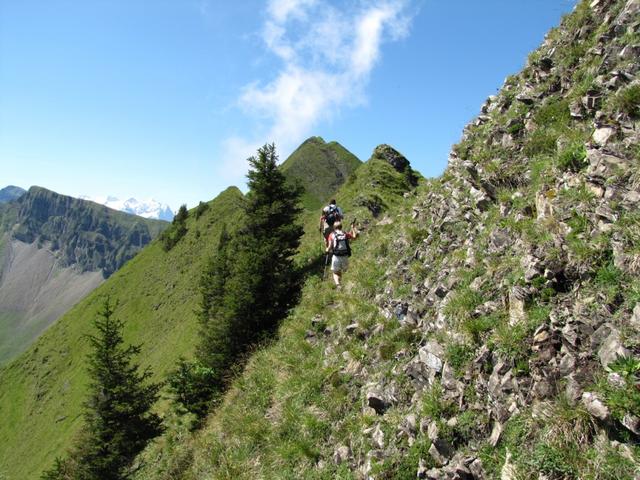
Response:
column 117, row 412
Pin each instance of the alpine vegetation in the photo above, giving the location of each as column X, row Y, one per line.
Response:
column 487, row 327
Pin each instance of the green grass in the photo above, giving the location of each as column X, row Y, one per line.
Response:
column 321, row 168
column 41, row 410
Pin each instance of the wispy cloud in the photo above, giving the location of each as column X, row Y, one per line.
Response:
column 327, row 54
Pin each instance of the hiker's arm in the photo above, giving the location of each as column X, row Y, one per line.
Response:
column 354, row 232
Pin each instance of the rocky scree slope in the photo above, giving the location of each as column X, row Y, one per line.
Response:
column 489, row 323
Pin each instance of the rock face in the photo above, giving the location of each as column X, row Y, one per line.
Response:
column 54, row 250
column 392, row 156
column 80, row 233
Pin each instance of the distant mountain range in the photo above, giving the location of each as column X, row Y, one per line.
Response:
column 54, row 250
column 147, row 208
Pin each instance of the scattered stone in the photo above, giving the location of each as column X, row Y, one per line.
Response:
column 632, row 423
column 378, row 437
column 611, row 349
column 576, row 110
column 602, row 164
column 341, row 455
column 440, row 451
column 594, row 406
column 527, row 96
column 448, row 380
column 422, row 469
column 567, row 364
column 477, row 469
column 541, row 335
column 635, row 317
column 616, row 380
column 377, row 401
column 532, row 267
column 517, row 297
column 508, row 470
column 351, row 328
column 495, row 434
column 431, row 355
column 544, row 206
column 591, row 101
column 602, row 135
column 573, row 390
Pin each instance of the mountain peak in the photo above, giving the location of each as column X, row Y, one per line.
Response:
column 149, row 208
column 320, row 167
column 10, row 193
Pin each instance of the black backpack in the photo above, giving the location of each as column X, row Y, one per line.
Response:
column 341, row 246
column 332, row 215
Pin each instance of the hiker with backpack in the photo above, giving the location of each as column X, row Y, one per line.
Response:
column 330, row 214
column 338, row 246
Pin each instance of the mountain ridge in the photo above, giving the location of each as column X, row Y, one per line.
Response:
column 157, row 290
column 54, row 250
column 149, row 208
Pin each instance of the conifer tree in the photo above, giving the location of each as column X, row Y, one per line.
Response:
column 265, row 283
column 117, row 412
column 213, row 329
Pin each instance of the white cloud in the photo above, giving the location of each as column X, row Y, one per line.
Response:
column 327, row 54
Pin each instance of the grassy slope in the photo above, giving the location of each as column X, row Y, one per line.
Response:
column 304, row 395
column 41, row 392
column 322, row 167
column 288, row 379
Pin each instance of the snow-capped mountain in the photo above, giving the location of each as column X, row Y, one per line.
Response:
column 147, row 208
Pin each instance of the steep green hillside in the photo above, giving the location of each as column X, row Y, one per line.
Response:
column 321, row 168
column 157, row 294
column 488, row 327
column 41, row 392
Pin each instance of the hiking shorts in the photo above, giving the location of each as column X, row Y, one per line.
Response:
column 339, row 264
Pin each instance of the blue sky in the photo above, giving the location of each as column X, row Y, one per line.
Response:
column 167, row 98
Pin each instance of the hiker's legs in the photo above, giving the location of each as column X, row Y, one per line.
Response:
column 339, row 265
column 326, row 231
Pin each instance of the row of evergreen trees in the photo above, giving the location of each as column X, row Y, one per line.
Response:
column 247, row 287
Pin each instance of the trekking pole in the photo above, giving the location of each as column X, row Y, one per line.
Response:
column 326, row 262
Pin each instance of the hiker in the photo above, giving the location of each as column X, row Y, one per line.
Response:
column 338, row 245
column 330, row 214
